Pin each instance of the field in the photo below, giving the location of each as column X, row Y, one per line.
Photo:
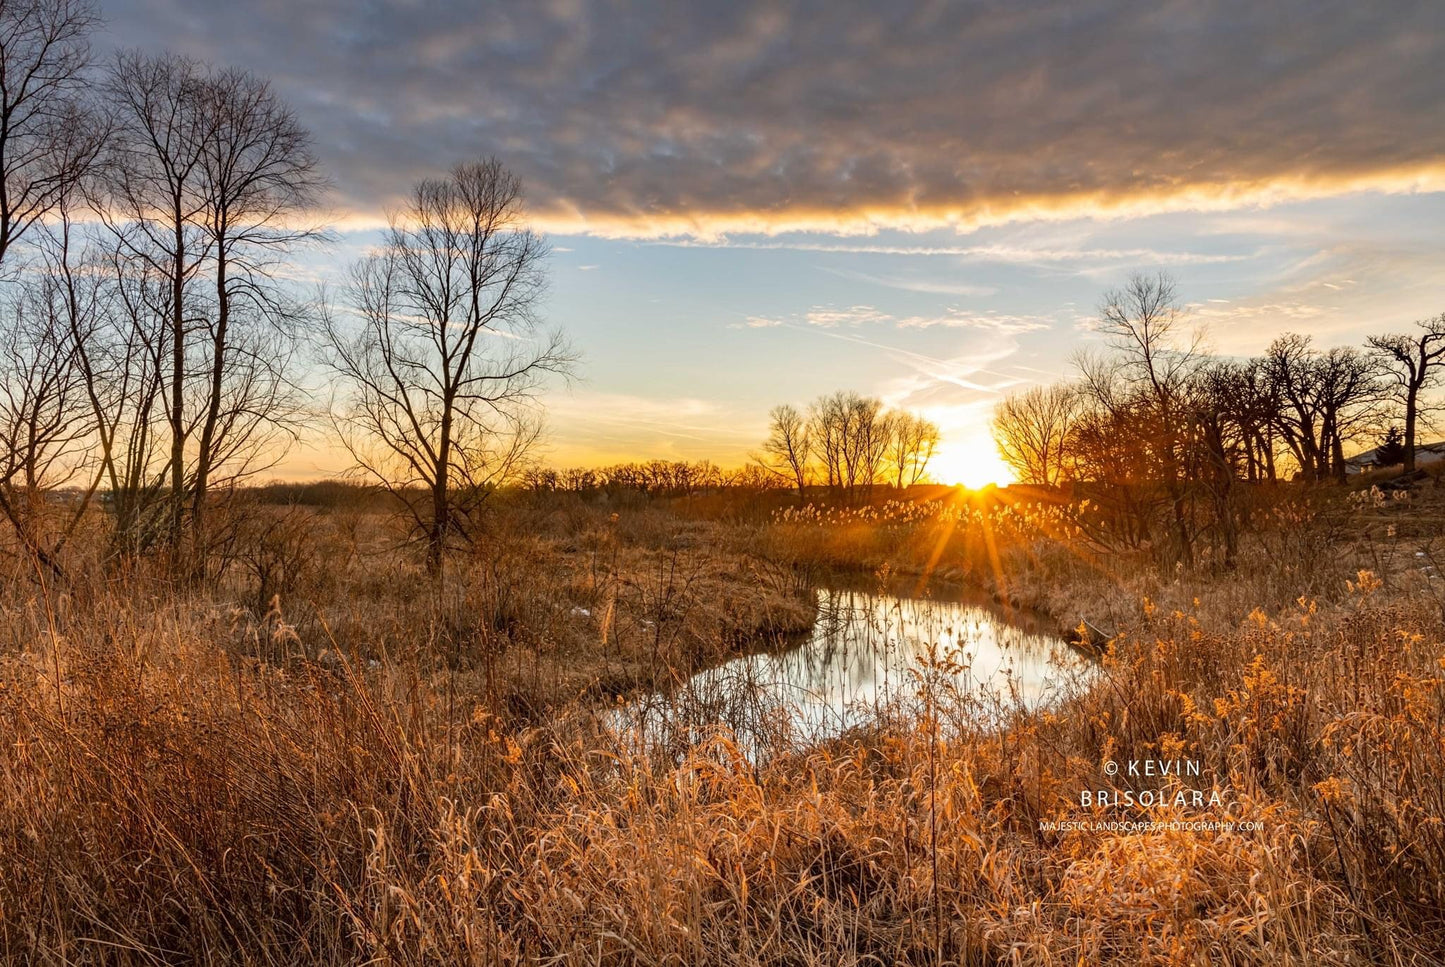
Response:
column 324, row 756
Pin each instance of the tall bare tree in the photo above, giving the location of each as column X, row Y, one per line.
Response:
column 110, row 304
column 789, row 447
column 1291, row 368
column 50, row 138
column 1032, row 428
column 1326, row 398
column 851, row 438
column 910, row 442
column 1350, row 393
column 259, row 182
column 1414, row 362
column 155, row 204
column 827, row 422
column 446, row 352
column 211, row 178
column 1151, row 375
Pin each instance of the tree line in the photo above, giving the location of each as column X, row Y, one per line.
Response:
column 847, row 443
column 844, row 442
column 155, row 341
column 652, row 478
column 1162, row 434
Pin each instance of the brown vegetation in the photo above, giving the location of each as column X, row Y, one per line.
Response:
column 371, row 767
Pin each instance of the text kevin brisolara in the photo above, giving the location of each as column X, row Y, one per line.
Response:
column 1172, row 785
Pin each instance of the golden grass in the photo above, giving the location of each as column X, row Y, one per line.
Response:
column 374, row 772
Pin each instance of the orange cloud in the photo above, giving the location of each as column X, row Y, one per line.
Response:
column 984, row 212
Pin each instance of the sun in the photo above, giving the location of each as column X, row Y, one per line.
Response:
column 970, row 463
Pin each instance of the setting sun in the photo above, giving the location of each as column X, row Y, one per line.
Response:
column 971, row 462
column 971, row 468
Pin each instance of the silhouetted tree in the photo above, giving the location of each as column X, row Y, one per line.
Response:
column 258, row 183
column 789, row 446
column 1391, row 449
column 1292, row 370
column 1350, row 396
column 1149, row 378
column 1413, row 362
column 210, row 177
column 911, row 441
column 49, row 136
column 440, row 366
column 155, row 202
column 42, row 432
column 1031, row 429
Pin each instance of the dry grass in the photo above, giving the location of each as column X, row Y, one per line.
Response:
column 376, row 772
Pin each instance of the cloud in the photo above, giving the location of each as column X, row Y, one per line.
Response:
column 830, row 318
column 761, row 322
column 643, row 118
column 906, row 284
column 685, row 418
column 996, row 322
column 1009, row 254
column 852, row 317
column 923, row 285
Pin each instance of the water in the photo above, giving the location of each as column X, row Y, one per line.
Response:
column 868, row 654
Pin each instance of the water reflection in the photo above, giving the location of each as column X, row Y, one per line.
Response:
column 866, row 654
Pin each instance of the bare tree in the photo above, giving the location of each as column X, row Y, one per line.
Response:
column 863, row 439
column 910, row 442
column 48, row 137
column 1153, row 368
column 49, row 142
column 827, row 421
column 258, row 181
column 1325, row 400
column 155, row 204
column 446, row 353
column 789, row 447
column 210, row 179
column 1413, row 362
column 1219, row 404
column 42, row 430
column 1350, row 397
column 1032, row 429
column 115, row 332
column 1255, row 407
column 1291, row 368
column 852, row 439
column 1144, row 323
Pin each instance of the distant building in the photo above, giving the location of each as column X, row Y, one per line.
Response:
column 1425, row 455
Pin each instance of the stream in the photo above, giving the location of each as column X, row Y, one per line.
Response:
column 868, row 653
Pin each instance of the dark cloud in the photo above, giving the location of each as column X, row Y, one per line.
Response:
column 648, row 118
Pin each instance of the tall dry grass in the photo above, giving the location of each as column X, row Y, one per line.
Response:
column 375, row 772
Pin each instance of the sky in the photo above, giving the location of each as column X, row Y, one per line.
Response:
column 758, row 203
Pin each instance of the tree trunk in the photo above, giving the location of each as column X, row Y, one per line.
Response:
column 440, row 506
column 1411, row 406
column 178, row 372
column 213, row 411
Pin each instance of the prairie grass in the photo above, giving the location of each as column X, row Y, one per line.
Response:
column 365, row 768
